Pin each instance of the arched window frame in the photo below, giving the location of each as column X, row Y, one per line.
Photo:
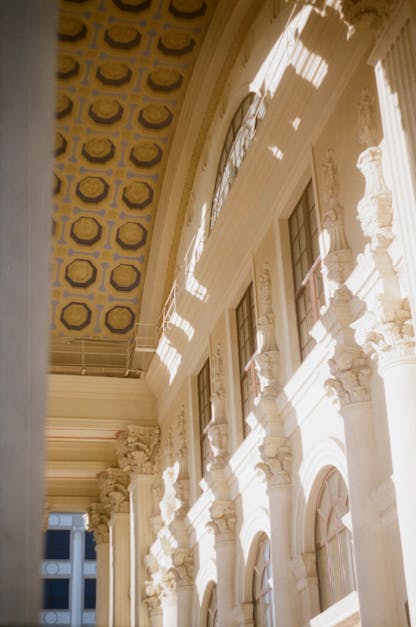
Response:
column 262, row 592
column 333, row 541
column 237, row 140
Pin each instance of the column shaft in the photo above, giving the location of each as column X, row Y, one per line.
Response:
column 284, row 590
column 27, row 81
column 141, row 537
column 225, row 554
column 103, row 584
column 184, row 605
column 374, row 577
column 400, row 390
column 77, row 577
column 120, row 570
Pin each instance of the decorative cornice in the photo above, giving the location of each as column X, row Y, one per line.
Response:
column 350, row 372
column 138, row 450
column 223, row 520
column 113, row 484
column 98, row 522
column 276, row 460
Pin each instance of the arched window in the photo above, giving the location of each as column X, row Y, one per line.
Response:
column 262, row 590
column 212, row 619
column 238, row 138
column 334, row 557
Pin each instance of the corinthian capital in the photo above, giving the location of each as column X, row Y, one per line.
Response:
column 276, row 460
column 138, row 449
column 98, row 522
column 386, row 331
column 183, row 566
column 223, row 520
column 350, row 372
column 113, row 484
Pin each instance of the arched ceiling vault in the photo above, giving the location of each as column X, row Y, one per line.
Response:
column 123, row 68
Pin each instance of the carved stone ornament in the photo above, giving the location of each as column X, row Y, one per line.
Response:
column 113, row 484
column 364, row 14
column 375, row 211
column 46, row 512
column 338, row 260
column 152, row 600
column 223, row 520
column 183, row 566
column 267, row 359
column 366, row 119
column 276, row 460
column 385, row 331
column 98, row 522
column 138, row 449
column 350, row 372
column 179, row 447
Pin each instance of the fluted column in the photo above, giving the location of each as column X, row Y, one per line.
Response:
column 350, row 372
column 394, row 61
column 138, row 450
column 98, row 523
column 115, row 496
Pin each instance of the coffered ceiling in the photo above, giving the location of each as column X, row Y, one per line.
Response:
column 122, row 71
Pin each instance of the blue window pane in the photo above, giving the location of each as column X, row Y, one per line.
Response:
column 90, row 553
column 55, row 594
column 57, row 544
column 89, row 594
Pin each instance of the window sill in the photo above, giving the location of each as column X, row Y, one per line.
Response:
column 344, row 613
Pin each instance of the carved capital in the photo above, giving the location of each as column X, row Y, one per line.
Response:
column 218, row 444
column 276, row 460
column 176, row 445
column 113, row 484
column 223, row 520
column 375, row 211
column 98, row 522
column 366, row 14
column 138, row 449
column 183, row 567
column 386, row 331
column 350, row 372
column 152, row 600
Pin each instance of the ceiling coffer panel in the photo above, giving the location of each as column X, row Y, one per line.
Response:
column 122, row 70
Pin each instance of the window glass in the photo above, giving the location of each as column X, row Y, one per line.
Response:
column 246, row 336
column 204, row 410
column 334, row 557
column 90, row 587
column 55, row 594
column 307, row 276
column 90, row 553
column 57, row 542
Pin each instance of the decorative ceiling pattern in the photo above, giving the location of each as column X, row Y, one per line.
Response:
column 122, row 70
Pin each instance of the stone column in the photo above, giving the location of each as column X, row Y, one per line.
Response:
column 350, row 372
column 75, row 601
column 183, row 572
column 98, row 523
column 223, row 521
column 27, row 70
column 394, row 61
column 304, row 570
column 138, row 451
column 386, row 332
column 115, row 496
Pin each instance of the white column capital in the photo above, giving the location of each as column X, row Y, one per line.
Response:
column 98, row 519
column 223, row 520
column 138, row 449
column 276, row 460
column 351, row 371
column 113, row 484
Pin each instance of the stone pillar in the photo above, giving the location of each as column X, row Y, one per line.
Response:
column 75, row 602
column 394, row 61
column 27, row 71
column 115, row 496
column 98, row 523
column 183, row 572
column 223, row 520
column 138, row 450
column 304, row 570
column 275, row 464
column 350, row 382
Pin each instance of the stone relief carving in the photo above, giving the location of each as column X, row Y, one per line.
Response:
column 138, row 449
column 267, row 358
column 217, row 429
column 350, row 372
column 113, row 484
column 183, row 567
column 98, row 522
column 375, row 211
column 223, row 520
column 366, row 119
column 338, row 260
column 276, row 460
